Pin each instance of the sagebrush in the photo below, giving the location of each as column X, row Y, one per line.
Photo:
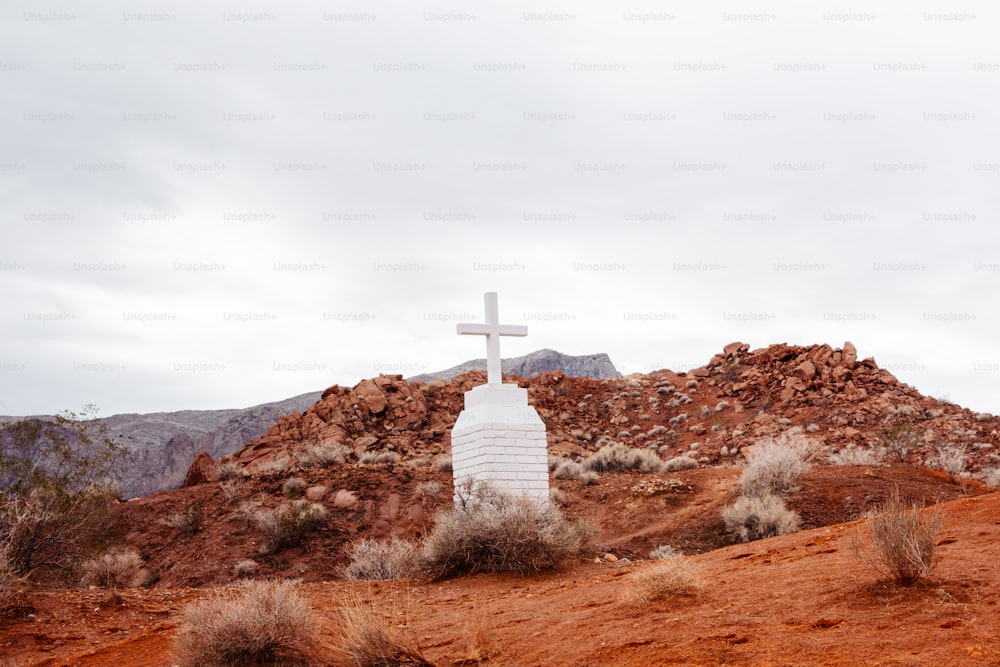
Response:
column 903, row 539
column 262, row 623
column 289, row 524
column 758, row 517
column 493, row 532
column 382, row 559
column 774, row 465
column 118, row 568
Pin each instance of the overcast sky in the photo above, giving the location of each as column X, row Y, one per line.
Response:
column 218, row 204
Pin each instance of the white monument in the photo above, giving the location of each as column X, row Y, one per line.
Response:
column 499, row 438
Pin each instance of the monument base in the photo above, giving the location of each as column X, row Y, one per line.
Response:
column 498, row 438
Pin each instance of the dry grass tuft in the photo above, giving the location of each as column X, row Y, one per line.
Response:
column 671, row 579
column 755, row 518
column 118, row 568
column 288, row 525
column 262, row 623
column 903, row 540
column 370, row 637
column 382, row 559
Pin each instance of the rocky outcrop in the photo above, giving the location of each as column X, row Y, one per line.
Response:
column 541, row 361
column 710, row 412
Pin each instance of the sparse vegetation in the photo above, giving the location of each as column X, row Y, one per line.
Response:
column 567, row 469
column 382, row 559
column 442, row 463
column 189, row 521
column 261, row 623
column 430, row 490
column 379, row 457
column 370, row 637
column 56, row 490
column 490, row 531
column 289, row 524
column 774, row 466
column 903, row 540
column 229, row 471
column 668, row 580
column 683, row 462
column 618, row 457
column 324, row 455
column 758, row 517
column 118, row 568
column 900, row 440
column 8, row 580
column 246, row 568
column 951, row 459
column 294, row 487
column 664, row 551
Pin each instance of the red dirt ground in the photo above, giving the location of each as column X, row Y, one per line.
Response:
column 800, row 599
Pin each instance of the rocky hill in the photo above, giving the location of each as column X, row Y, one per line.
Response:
column 387, row 479
column 540, row 361
column 714, row 410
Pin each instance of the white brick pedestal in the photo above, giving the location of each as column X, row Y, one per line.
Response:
column 500, row 439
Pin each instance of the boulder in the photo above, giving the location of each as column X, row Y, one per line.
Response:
column 200, row 471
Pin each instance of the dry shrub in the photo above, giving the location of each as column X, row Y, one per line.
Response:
column 567, row 469
column 442, row 463
column 903, row 540
column 294, row 487
column 664, row 551
column 950, row 459
column 857, row 456
column 495, row 532
column 775, row 464
column 482, row 640
column 231, row 489
column 683, row 462
column 619, row 457
column 118, row 568
column 324, row 456
column 8, row 580
column 379, row 457
column 430, row 490
column 260, row 623
column 371, row 636
column 671, row 579
column 991, row 477
column 189, row 521
column 289, row 524
column 228, row 471
column 246, row 568
column 382, row 559
column 758, row 517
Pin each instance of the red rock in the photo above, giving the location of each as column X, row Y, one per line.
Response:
column 850, row 355
column 200, row 471
column 806, row 370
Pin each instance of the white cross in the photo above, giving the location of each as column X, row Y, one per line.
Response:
column 492, row 330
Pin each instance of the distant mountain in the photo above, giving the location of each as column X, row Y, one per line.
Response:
column 597, row 366
column 163, row 444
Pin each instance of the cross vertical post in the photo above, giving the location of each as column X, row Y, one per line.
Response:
column 492, row 329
